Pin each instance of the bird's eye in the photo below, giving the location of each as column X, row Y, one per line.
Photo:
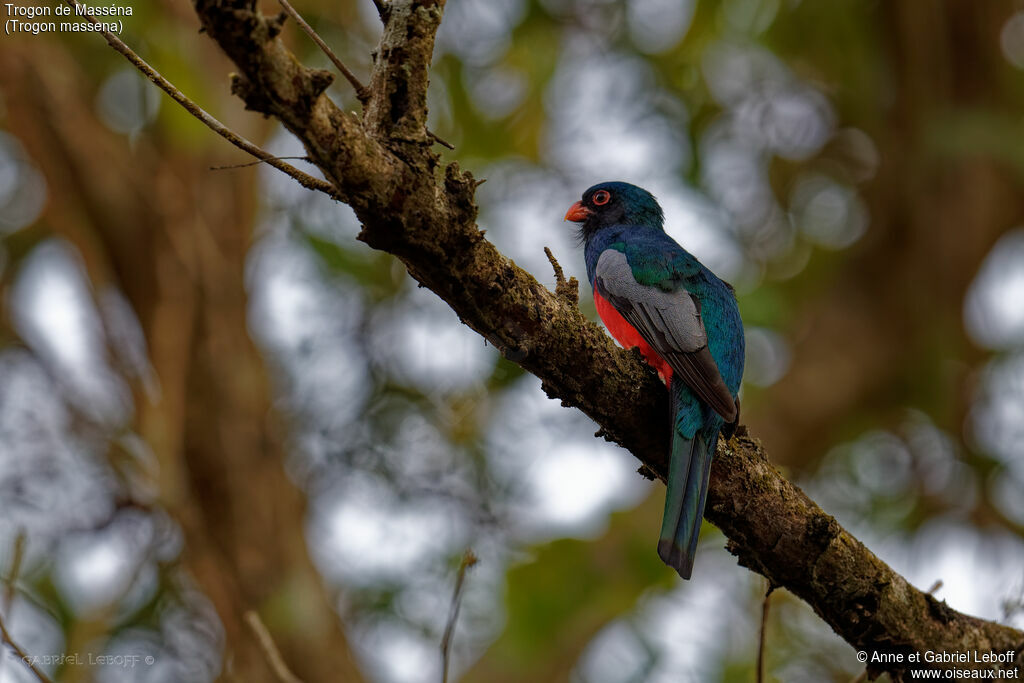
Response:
column 601, row 197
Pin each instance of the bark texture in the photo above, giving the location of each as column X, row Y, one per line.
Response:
column 383, row 166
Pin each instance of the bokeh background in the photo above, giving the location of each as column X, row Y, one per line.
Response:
column 214, row 399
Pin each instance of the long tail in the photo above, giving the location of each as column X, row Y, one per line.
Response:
column 684, row 500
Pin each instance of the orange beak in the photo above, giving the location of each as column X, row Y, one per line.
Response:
column 577, row 213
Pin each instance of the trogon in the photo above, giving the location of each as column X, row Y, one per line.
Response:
column 654, row 295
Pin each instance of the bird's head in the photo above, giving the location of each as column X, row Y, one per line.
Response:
column 615, row 203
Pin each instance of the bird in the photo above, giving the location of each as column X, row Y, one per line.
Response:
column 654, row 295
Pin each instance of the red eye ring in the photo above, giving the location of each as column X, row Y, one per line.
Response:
column 601, row 197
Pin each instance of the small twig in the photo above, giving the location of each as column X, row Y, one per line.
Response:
column 559, row 274
column 274, row 658
column 935, row 586
column 568, row 291
column 761, row 637
column 253, row 163
column 1013, row 606
column 11, row 579
column 362, row 92
column 25, row 659
column 441, row 141
column 12, row 575
column 213, row 124
column 468, row 560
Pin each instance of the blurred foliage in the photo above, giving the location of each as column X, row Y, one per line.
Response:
column 850, row 166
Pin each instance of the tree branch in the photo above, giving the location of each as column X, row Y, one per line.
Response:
column 469, row 559
column 10, row 586
column 274, row 658
column 397, row 107
column 384, row 169
column 8, row 600
column 213, row 124
column 361, row 92
column 26, row 659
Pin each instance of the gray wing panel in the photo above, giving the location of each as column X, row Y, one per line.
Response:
column 670, row 322
column 672, row 315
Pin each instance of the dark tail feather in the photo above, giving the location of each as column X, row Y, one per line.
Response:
column 684, row 501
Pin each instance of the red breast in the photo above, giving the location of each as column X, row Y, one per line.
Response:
column 628, row 337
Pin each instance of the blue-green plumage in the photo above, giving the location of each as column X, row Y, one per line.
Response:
column 653, row 294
